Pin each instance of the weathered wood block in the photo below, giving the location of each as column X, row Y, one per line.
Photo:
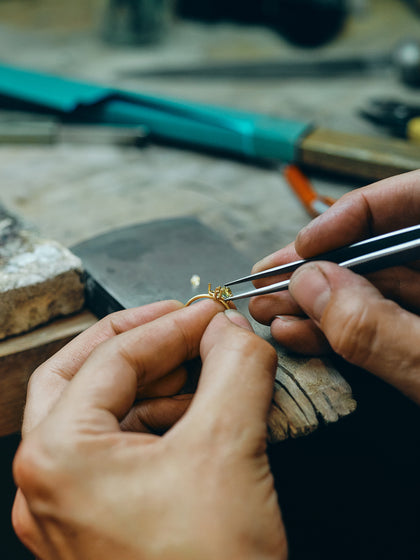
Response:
column 307, row 392
column 21, row 355
column 39, row 279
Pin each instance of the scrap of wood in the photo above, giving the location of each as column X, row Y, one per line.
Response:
column 307, row 392
column 21, row 355
column 39, row 278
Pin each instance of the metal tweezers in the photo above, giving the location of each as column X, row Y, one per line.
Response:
column 376, row 253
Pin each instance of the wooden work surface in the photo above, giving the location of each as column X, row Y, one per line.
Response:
column 73, row 192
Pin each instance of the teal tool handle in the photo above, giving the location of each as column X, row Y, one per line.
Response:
column 246, row 134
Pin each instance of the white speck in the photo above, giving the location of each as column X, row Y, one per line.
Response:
column 195, row 280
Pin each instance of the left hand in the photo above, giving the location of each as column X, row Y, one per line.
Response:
column 89, row 490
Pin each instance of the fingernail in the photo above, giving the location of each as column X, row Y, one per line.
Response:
column 264, row 263
column 288, row 318
column 238, row 319
column 311, row 289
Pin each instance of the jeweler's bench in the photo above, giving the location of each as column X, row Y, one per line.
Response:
column 70, row 193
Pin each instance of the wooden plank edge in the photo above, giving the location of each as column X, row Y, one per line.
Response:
column 21, row 355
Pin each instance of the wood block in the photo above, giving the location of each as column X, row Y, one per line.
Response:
column 39, row 278
column 21, row 355
column 307, row 392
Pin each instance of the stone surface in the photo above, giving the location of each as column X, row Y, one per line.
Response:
column 39, row 279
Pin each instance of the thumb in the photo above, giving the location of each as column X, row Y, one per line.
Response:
column 360, row 324
column 236, row 383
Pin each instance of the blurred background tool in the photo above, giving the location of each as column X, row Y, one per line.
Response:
column 28, row 131
column 307, row 23
column 27, row 128
column 415, row 4
column 135, row 22
column 403, row 61
column 396, row 117
column 254, row 136
column 314, row 203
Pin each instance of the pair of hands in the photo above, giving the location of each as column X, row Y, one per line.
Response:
column 94, row 482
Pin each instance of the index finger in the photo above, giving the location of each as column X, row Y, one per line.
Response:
column 105, row 387
column 49, row 381
column 384, row 206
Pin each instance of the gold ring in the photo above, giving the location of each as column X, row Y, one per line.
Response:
column 218, row 294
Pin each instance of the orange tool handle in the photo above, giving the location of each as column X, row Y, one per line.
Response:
column 314, row 203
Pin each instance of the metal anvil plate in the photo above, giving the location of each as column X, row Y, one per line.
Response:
column 153, row 261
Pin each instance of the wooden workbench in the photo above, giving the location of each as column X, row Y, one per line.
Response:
column 72, row 192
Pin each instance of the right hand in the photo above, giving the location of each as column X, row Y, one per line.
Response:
column 372, row 322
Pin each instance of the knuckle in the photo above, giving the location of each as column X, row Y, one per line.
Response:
column 186, row 338
column 23, row 531
column 23, row 525
column 354, row 334
column 20, row 526
column 34, row 379
column 112, row 323
column 40, row 466
column 251, row 345
column 270, row 353
column 29, row 467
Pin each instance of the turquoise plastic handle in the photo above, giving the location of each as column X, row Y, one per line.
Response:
column 246, row 134
column 250, row 135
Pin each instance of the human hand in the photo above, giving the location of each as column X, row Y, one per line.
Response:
column 89, row 490
column 372, row 322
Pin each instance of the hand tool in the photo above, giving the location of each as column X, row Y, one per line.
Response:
column 26, row 128
column 51, row 133
column 308, row 23
column 403, row 60
column 256, row 137
column 135, row 22
column 372, row 254
column 399, row 118
column 314, row 203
